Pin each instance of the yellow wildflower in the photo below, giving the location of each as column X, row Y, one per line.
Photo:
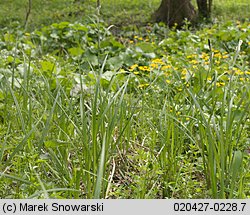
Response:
column 204, row 55
column 158, row 61
column 239, row 72
column 184, row 71
column 219, row 84
column 133, row 67
column 193, row 62
column 166, row 67
column 142, row 85
column 217, row 55
column 195, row 67
column 206, row 58
column 144, row 68
column 217, row 62
column 154, row 65
column 167, row 73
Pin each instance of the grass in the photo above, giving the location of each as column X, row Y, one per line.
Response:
column 149, row 112
column 42, row 12
column 119, row 13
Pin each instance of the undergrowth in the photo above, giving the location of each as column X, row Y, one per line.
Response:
column 146, row 113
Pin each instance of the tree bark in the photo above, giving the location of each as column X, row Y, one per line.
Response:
column 174, row 12
column 204, row 7
column 210, row 2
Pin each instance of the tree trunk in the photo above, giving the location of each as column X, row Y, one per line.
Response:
column 174, row 12
column 204, row 7
column 210, row 2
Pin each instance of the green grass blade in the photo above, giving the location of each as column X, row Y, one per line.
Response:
column 15, row 178
column 98, row 186
column 235, row 170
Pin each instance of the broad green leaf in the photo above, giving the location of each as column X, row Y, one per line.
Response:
column 107, row 75
column 115, row 62
column 75, row 51
column 47, row 66
column 92, row 59
column 145, row 47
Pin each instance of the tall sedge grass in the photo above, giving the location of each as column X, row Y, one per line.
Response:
column 219, row 133
column 79, row 139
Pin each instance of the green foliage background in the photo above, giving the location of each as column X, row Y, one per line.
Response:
column 105, row 104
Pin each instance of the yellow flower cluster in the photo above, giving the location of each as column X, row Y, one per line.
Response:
column 219, row 84
column 194, row 62
column 184, row 73
column 203, row 59
column 144, row 68
column 137, row 38
column 237, row 71
column 191, row 56
column 133, row 67
column 204, row 56
column 158, row 61
column 219, row 55
column 166, row 67
column 154, row 65
column 141, row 86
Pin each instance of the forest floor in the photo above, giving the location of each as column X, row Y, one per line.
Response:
column 106, row 104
